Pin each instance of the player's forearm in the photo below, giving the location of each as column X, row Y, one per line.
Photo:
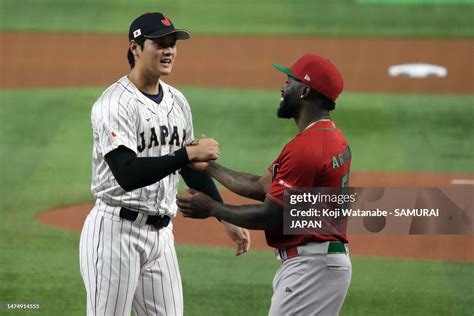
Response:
column 243, row 184
column 132, row 172
column 200, row 182
column 246, row 216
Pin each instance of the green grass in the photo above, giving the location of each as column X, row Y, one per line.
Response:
column 408, row 132
column 265, row 17
column 45, row 150
column 418, row 2
column 49, row 137
column 43, row 269
column 216, row 282
column 386, row 132
column 409, row 287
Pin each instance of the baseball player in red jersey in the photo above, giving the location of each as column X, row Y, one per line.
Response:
column 316, row 268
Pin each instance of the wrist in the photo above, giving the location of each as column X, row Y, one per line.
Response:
column 211, row 169
column 181, row 156
column 191, row 152
column 215, row 209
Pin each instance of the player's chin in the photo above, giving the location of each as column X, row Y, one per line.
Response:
column 166, row 69
column 165, row 72
column 283, row 112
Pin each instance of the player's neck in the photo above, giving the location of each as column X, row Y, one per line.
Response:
column 307, row 119
column 147, row 84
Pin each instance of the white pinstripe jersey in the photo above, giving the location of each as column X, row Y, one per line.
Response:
column 124, row 116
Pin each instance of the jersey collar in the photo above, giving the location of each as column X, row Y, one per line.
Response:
column 325, row 123
column 139, row 96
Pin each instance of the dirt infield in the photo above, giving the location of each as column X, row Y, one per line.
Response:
column 73, row 60
column 210, row 232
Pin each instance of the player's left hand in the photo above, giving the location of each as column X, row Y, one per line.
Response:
column 200, row 166
column 195, row 205
column 240, row 236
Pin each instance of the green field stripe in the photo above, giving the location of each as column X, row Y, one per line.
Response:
column 426, row 133
column 417, row 2
column 408, row 132
column 45, row 145
column 215, row 282
column 246, row 17
column 432, row 291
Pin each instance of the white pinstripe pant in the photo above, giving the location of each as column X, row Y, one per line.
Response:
column 125, row 264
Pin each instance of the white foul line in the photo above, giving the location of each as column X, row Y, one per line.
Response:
column 463, row 181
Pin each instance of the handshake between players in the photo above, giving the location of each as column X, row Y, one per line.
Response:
column 203, row 150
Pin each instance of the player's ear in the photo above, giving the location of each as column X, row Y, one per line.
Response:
column 134, row 48
column 305, row 91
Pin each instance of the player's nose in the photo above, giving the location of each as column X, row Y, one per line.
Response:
column 169, row 50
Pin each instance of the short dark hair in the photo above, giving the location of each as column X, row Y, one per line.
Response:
column 130, row 57
column 327, row 104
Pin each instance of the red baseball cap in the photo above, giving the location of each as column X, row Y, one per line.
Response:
column 318, row 73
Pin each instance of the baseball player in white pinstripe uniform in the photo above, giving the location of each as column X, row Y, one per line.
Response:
column 143, row 141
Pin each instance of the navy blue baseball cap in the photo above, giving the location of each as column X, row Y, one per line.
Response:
column 154, row 25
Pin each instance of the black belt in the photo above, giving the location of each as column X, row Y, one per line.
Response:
column 159, row 221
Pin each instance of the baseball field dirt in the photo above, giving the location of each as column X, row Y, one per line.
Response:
column 36, row 60
column 71, row 60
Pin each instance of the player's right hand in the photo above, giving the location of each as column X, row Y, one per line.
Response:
column 205, row 149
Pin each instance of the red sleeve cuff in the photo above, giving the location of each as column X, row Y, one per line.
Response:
column 275, row 200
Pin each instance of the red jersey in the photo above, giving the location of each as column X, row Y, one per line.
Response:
column 317, row 157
